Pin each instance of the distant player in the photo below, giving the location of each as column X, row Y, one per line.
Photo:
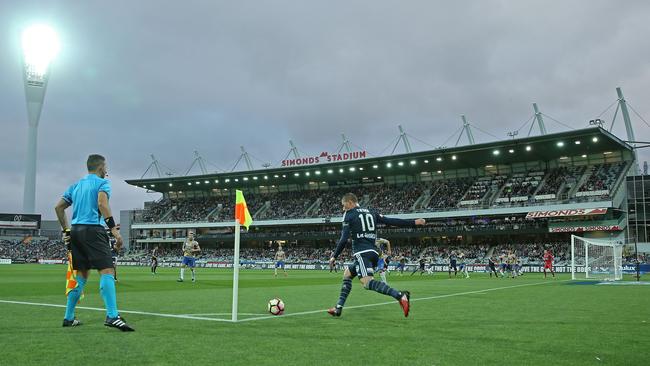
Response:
column 190, row 250
column 503, row 266
column 114, row 253
column 154, row 260
column 401, row 265
column 453, row 260
column 492, row 267
column 462, row 264
column 422, row 268
column 384, row 252
column 333, row 267
column 280, row 257
column 511, row 262
column 548, row 262
column 359, row 224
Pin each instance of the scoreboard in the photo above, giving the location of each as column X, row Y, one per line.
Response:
column 20, row 221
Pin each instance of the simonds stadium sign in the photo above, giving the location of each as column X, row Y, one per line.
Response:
column 325, row 157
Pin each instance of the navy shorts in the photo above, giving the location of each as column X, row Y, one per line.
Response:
column 364, row 264
column 279, row 264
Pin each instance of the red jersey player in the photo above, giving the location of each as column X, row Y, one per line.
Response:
column 548, row 262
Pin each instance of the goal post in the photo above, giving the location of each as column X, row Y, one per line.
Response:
column 597, row 259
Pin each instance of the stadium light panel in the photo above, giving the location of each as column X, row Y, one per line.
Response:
column 307, row 174
column 595, row 139
column 197, row 182
column 607, row 152
column 375, row 166
column 453, row 157
column 388, row 165
column 439, row 171
column 171, row 185
column 413, row 162
column 227, row 180
column 245, row 178
column 584, row 155
column 144, row 186
column 266, row 177
column 296, row 174
column 512, row 151
column 189, row 183
column 361, row 168
column 426, row 161
column 496, row 152
column 330, row 171
column 378, row 177
column 317, row 172
column 40, row 45
column 439, row 158
column 352, row 168
column 563, row 157
column 206, row 182
column 254, row 178
column 153, row 186
column 216, row 181
column 489, row 166
column 577, row 142
column 528, row 148
column 401, row 163
column 560, row 143
column 236, row 179
column 341, row 170
column 284, row 175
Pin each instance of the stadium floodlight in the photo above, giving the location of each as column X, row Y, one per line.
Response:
column 426, row 161
column 40, row 45
column 266, row 177
column 528, row 148
column 216, row 181
column 330, row 171
column 254, row 178
column 512, row 151
column 189, row 183
column 317, row 172
column 153, row 186
column 375, row 166
column 388, row 165
column 584, row 155
column 207, row 182
column 453, row 157
column 227, row 180
column 245, row 178
column 413, row 162
column 361, row 168
column 607, row 152
column 307, row 174
column 352, row 169
column 560, row 143
column 236, row 179
column 439, row 171
column 171, row 185
column 439, row 158
column 401, row 163
column 496, row 152
column 595, row 139
column 341, row 170
column 577, row 142
column 296, row 174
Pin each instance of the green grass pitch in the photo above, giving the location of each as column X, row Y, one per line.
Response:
column 479, row 321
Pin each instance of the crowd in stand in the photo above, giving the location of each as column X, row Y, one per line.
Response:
column 19, row 250
column 387, row 198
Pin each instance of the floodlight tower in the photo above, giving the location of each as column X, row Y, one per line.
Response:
column 40, row 45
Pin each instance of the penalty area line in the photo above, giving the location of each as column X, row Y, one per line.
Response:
column 412, row 300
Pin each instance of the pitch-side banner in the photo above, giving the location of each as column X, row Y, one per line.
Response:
column 567, row 212
column 582, row 228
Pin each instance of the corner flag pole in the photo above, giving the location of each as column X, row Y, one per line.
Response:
column 235, row 273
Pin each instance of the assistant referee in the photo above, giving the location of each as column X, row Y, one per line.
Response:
column 88, row 240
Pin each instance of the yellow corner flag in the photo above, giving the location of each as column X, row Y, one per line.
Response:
column 71, row 277
column 241, row 211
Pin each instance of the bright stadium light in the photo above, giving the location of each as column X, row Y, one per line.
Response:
column 496, row 152
column 560, row 143
column 595, row 139
column 40, row 45
column 453, row 157
column 528, row 148
column 439, row 158
column 401, row 163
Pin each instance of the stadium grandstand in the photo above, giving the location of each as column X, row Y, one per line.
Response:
column 534, row 191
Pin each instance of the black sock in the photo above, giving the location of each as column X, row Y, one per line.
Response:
column 384, row 289
column 346, row 287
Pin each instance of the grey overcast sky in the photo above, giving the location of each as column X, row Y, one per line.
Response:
column 168, row 77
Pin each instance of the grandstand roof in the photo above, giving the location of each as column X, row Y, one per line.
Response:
column 536, row 148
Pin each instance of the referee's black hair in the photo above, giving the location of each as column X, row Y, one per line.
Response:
column 94, row 162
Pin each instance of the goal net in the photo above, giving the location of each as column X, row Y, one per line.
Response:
column 596, row 259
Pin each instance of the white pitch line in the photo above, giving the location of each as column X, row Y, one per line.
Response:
column 207, row 314
column 412, row 300
column 195, row 317
column 121, row 311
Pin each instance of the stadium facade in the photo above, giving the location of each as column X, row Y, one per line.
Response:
column 537, row 188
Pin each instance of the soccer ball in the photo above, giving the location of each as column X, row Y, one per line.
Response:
column 276, row 306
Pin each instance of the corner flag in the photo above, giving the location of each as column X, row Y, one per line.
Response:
column 241, row 211
column 71, row 277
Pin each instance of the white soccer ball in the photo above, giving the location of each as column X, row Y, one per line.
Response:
column 276, row 306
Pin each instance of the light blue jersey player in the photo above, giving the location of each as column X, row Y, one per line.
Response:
column 280, row 257
column 384, row 253
column 190, row 250
column 462, row 265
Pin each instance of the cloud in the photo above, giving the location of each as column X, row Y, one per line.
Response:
column 136, row 78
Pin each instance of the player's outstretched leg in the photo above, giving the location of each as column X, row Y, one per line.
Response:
column 193, row 275
column 73, row 298
column 404, row 297
column 182, row 276
column 382, row 274
column 346, row 287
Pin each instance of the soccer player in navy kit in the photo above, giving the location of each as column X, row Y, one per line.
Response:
column 359, row 225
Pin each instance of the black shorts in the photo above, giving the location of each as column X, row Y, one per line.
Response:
column 90, row 248
column 452, row 264
column 364, row 264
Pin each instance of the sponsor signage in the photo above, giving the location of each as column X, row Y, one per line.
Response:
column 5, row 261
column 567, row 212
column 20, row 221
column 579, row 229
column 325, row 157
